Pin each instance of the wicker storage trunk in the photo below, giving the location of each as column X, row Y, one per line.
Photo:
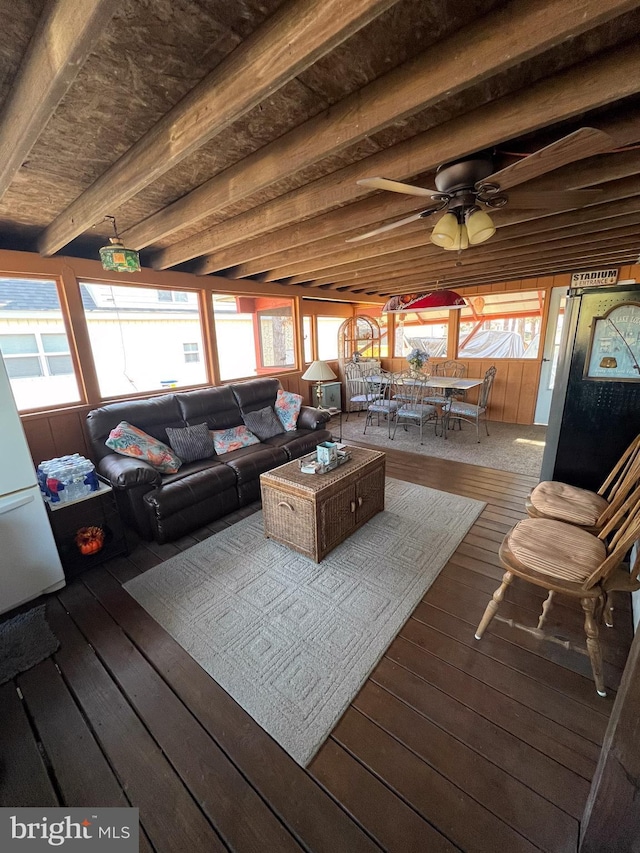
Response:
column 312, row 513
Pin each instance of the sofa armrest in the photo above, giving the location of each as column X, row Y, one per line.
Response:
column 123, row 472
column 310, row 418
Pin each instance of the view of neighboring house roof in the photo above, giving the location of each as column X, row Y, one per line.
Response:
column 26, row 295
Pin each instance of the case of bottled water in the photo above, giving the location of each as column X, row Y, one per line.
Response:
column 67, row 478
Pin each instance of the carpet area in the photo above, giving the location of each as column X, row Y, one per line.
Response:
column 25, row 640
column 508, row 447
column 293, row 641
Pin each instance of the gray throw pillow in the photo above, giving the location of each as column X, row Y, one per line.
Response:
column 264, row 423
column 191, row 443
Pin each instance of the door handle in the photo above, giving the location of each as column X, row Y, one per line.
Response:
column 13, row 503
column 546, row 359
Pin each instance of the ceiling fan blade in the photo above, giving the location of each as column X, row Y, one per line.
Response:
column 585, row 142
column 395, row 187
column 413, row 218
column 553, row 198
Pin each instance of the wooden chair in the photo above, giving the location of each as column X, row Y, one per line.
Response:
column 565, row 559
column 584, row 508
column 458, row 410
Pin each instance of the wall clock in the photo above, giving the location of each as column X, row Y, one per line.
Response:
column 614, row 352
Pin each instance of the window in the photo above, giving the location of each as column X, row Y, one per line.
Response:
column 307, row 324
column 34, row 344
column 255, row 335
column 138, row 344
column 191, row 353
column 328, row 337
column 501, row 325
column 172, row 296
column 427, row 331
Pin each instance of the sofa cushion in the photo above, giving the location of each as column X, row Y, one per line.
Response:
column 200, row 484
column 263, row 422
column 131, row 441
column 255, row 394
column 226, row 440
column 191, row 442
column 152, row 415
column 287, row 408
column 215, row 406
column 249, row 462
column 300, row 441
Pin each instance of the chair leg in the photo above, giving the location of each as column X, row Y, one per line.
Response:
column 593, row 643
column 492, row 606
column 607, row 613
column 545, row 609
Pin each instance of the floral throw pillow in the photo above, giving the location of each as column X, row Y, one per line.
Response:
column 287, row 408
column 131, row 441
column 226, row 440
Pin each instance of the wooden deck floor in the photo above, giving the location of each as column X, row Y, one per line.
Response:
column 450, row 745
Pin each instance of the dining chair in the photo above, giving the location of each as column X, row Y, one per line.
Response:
column 565, row 559
column 358, row 391
column 415, row 408
column 382, row 387
column 582, row 507
column 586, row 509
column 459, row 410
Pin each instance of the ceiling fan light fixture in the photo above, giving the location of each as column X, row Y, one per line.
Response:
column 461, row 240
column 480, row 226
column 445, row 231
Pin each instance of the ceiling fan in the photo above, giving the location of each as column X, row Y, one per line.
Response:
column 467, row 187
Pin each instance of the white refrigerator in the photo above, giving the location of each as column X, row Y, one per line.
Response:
column 29, row 561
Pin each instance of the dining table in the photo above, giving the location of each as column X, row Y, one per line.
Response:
column 447, row 384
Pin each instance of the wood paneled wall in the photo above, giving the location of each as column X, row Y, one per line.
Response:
column 515, row 388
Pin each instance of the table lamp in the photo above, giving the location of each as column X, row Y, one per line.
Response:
column 319, row 372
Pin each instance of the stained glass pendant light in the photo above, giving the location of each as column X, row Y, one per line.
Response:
column 431, row 301
column 115, row 257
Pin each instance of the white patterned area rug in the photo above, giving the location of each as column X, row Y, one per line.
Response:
column 293, row 641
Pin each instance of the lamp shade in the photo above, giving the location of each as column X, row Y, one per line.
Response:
column 118, row 259
column 318, row 371
column 461, row 240
column 445, row 231
column 435, row 300
column 479, row 227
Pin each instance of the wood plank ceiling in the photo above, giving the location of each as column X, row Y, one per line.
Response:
column 228, row 138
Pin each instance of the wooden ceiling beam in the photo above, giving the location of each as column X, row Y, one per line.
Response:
column 516, row 242
column 291, row 40
column 383, row 252
column 509, row 35
column 627, row 237
column 568, row 94
column 617, row 198
column 64, row 37
column 396, row 282
column 327, row 231
column 507, row 273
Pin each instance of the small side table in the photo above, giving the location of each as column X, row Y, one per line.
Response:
column 331, row 394
column 334, row 413
column 98, row 509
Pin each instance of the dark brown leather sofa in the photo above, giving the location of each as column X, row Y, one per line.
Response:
column 166, row 506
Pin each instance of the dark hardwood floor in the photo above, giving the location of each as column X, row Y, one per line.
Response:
column 452, row 744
